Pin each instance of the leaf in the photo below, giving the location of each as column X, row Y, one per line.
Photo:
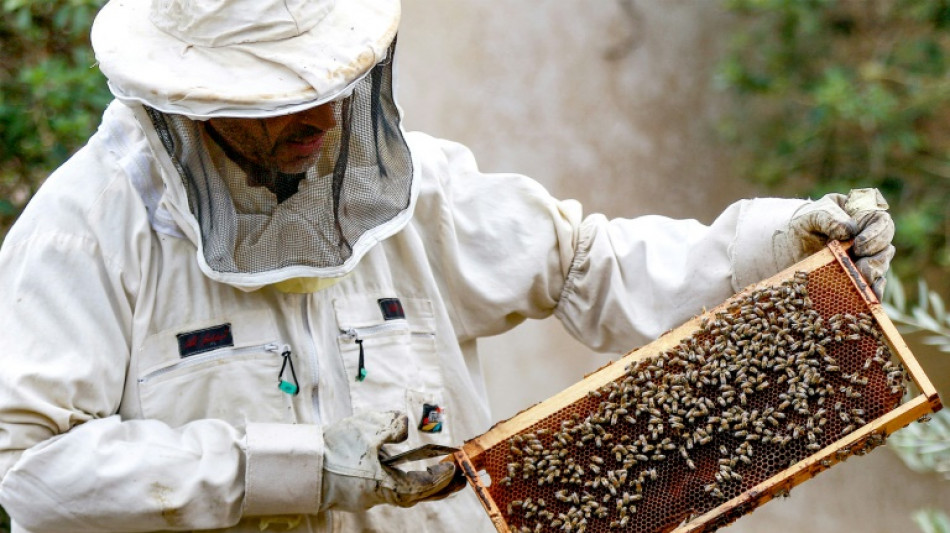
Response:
column 924, row 319
column 895, row 290
column 936, row 340
column 889, row 308
column 932, row 521
column 939, row 310
column 922, row 292
column 7, row 208
column 905, row 329
column 925, row 447
column 13, row 5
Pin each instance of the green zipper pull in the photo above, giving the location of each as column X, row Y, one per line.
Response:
column 284, row 385
column 361, row 370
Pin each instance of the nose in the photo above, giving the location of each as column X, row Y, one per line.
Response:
column 321, row 117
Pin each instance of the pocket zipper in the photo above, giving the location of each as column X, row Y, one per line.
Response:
column 352, row 334
column 272, row 347
column 358, row 335
column 355, row 334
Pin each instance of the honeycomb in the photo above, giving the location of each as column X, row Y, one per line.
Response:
column 778, row 374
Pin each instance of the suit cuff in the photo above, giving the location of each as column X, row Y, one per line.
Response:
column 752, row 256
column 284, row 469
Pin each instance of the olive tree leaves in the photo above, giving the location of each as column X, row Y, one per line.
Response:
column 923, row 447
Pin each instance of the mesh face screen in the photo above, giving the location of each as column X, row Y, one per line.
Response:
column 256, row 220
column 782, row 373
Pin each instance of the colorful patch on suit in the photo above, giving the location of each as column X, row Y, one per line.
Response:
column 204, row 340
column 391, row 308
column 432, row 417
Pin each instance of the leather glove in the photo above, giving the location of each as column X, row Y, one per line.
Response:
column 861, row 215
column 354, row 478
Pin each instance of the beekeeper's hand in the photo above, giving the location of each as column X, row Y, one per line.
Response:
column 354, row 479
column 861, row 215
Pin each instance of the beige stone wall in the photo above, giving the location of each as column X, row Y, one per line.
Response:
column 610, row 103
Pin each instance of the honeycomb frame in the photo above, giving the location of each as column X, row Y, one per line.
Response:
column 475, row 454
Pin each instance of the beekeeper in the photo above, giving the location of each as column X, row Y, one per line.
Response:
column 251, row 284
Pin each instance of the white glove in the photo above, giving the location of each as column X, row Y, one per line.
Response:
column 354, row 479
column 861, row 215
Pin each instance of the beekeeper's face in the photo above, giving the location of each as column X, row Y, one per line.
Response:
column 288, row 143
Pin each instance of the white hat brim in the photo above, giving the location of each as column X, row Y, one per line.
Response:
column 267, row 78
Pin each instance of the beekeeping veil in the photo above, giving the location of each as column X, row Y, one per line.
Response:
column 186, row 62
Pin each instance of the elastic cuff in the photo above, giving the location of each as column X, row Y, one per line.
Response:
column 751, row 253
column 580, row 265
column 284, row 469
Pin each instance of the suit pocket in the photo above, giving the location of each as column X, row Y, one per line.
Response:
column 237, row 383
column 394, row 364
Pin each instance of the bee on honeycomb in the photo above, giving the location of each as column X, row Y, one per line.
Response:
column 759, row 386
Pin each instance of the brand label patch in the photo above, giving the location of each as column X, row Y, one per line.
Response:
column 391, row 308
column 203, row 340
column 432, row 417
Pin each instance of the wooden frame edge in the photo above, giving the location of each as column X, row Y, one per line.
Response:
column 900, row 348
column 893, row 337
column 840, row 252
column 470, row 460
column 470, row 472
column 808, row 467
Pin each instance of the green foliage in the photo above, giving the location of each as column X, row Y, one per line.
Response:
column 837, row 94
column 932, row 521
column 923, row 447
column 51, row 93
column 927, row 314
column 51, row 98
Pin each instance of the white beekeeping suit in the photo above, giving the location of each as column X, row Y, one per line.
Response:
column 195, row 341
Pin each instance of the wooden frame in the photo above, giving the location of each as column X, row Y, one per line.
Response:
column 926, row 401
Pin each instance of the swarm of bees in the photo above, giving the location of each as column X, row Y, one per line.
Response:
column 756, row 381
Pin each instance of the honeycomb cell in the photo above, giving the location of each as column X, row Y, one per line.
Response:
column 774, row 376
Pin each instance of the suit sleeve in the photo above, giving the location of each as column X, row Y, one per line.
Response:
column 508, row 251
column 67, row 461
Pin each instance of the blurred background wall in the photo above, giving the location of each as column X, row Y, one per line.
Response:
column 612, row 103
column 607, row 105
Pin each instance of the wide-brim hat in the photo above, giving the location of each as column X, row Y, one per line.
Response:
column 240, row 58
